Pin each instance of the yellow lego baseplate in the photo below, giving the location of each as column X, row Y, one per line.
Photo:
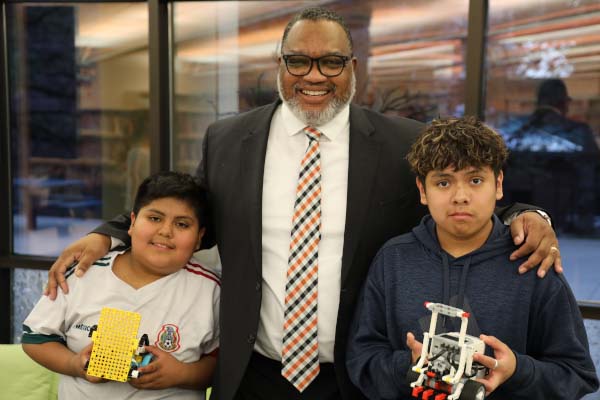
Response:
column 115, row 342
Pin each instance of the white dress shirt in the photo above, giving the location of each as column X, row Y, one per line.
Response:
column 285, row 149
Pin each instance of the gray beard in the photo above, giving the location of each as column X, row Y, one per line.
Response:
column 318, row 118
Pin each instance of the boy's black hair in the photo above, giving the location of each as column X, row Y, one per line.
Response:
column 178, row 185
column 457, row 142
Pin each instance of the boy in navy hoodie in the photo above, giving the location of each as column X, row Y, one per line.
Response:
column 536, row 343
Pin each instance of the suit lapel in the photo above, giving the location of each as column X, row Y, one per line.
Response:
column 252, row 164
column 362, row 168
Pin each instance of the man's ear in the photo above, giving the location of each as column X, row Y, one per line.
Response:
column 422, row 193
column 132, row 216
column 499, row 192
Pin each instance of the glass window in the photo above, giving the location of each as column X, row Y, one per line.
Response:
column 78, row 76
column 226, row 60
column 543, row 94
column 592, row 328
column 27, row 286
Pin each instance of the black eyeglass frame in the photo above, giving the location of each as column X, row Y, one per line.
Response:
column 344, row 59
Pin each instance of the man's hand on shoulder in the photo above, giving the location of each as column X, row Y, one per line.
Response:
column 537, row 239
column 85, row 252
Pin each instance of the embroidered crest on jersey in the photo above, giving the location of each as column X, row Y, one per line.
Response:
column 168, row 338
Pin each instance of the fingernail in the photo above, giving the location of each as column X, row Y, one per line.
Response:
column 518, row 239
column 522, row 270
column 541, row 273
column 78, row 273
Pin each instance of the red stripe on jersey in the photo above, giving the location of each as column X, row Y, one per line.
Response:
column 206, row 270
column 201, row 273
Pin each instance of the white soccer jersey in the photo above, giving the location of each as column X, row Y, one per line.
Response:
column 180, row 314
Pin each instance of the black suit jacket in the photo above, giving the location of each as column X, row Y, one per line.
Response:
column 382, row 202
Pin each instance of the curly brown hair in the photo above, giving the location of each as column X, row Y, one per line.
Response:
column 458, row 142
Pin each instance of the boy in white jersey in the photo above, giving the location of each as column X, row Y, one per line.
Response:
column 177, row 298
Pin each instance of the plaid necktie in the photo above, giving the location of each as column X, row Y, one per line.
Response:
column 300, row 353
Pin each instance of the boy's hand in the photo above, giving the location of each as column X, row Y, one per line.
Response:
column 538, row 240
column 80, row 360
column 502, row 366
column 85, row 251
column 163, row 372
column 415, row 346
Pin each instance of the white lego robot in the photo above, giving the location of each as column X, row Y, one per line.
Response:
column 445, row 370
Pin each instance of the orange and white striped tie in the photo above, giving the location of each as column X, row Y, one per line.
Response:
column 300, row 353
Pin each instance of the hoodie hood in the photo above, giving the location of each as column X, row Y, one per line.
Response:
column 498, row 242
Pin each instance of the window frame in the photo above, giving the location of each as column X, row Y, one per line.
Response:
column 160, row 46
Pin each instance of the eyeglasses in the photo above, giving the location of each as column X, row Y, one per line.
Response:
column 301, row 65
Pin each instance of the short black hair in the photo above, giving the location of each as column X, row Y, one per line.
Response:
column 178, row 185
column 552, row 92
column 317, row 14
column 459, row 143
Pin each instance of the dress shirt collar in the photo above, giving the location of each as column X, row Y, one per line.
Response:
column 331, row 130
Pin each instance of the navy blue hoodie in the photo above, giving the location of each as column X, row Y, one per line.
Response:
column 537, row 318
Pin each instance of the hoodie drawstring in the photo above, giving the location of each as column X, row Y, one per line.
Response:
column 460, row 300
column 446, row 279
column 446, row 284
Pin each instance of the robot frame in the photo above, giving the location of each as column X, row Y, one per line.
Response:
column 446, row 370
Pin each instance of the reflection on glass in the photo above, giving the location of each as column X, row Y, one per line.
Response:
column 543, row 93
column 27, row 286
column 592, row 328
column 78, row 78
column 226, row 60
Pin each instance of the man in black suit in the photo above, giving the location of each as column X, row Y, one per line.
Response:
column 251, row 164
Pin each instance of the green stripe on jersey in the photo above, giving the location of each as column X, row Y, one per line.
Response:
column 36, row 338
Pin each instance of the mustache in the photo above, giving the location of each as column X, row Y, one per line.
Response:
column 314, row 117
